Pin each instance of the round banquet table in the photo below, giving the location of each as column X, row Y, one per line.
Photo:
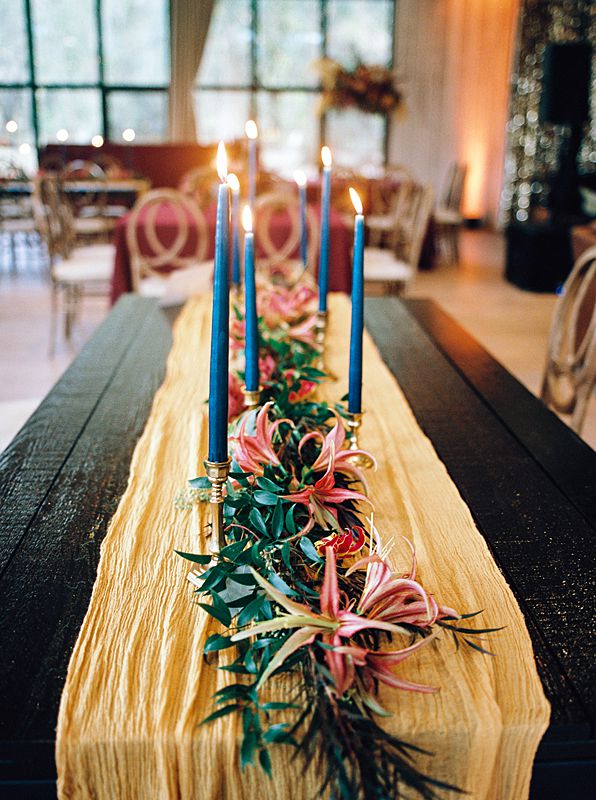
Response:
column 340, row 245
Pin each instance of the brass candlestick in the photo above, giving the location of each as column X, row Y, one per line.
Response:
column 217, row 473
column 321, row 329
column 354, row 421
column 252, row 397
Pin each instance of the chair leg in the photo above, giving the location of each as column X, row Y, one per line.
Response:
column 584, row 392
column 53, row 318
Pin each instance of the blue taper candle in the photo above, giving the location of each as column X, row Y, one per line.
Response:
column 355, row 372
column 218, row 370
column 300, row 179
column 252, row 132
column 324, row 250
column 251, row 331
column 234, row 185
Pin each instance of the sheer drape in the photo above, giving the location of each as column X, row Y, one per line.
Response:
column 189, row 27
column 455, row 58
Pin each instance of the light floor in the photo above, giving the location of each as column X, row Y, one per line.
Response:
column 511, row 324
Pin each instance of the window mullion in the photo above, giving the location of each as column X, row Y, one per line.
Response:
column 32, row 77
column 100, row 67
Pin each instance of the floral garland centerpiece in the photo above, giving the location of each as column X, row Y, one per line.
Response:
column 367, row 87
column 303, row 585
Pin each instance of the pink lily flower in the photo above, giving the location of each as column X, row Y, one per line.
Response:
column 304, row 331
column 252, row 452
column 322, row 497
column 347, row 543
column 334, row 441
column 305, row 387
column 333, row 623
column 235, row 397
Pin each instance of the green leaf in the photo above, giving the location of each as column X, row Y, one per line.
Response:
column 230, row 551
column 309, row 549
column 265, row 761
column 285, row 554
column 475, row 646
column 274, row 706
column 221, row 712
column 247, row 749
column 218, row 609
column 197, row 558
column 257, row 521
column 290, row 524
column 276, row 733
column 279, row 583
column 250, row 611
column 265, row 498
column 217, row 642
column 269, row 486
column 277, row 520
column 200, row 483
column 231, row 692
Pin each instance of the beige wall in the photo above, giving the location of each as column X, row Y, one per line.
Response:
column 454, row 58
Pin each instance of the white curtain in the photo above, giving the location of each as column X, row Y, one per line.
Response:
column 189, row 20
column 455, row 58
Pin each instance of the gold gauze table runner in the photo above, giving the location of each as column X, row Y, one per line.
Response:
column 138, row 686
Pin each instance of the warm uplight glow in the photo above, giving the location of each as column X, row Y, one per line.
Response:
column 300, row 177
column 222, row 161
column 24, row 149
column 128, row 135
column 233, row 182
column 326, row 156
column 251, row 129
column 247, row 219
column 12, row 126
column 97, row 140
column 62, row 135
column 356, row 201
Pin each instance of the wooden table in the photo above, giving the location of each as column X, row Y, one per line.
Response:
column 527, row 478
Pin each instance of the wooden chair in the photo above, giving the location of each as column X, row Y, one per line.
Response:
column 571, row 361
column 269, row 209
column 172, row 271
column 391, row 270
column 200, row 183
column 448, row 218
column 93, row 220
column 384, row 228
column 75, row 272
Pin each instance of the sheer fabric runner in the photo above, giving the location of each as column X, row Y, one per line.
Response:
column 137, row 684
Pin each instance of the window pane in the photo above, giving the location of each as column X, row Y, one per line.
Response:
column 145, row 112
column 356, row 138
column 289, row 41
column 288, row 129
column 360, row 30
column 65, row 41
column 136, row 42
column 16, row 104
column 76, row 110
column 14, row 64
column 226, row 57
column 221, row 115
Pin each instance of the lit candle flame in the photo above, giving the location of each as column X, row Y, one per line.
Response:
column 233, row 182
column 326, row 156
column 251, row 129
column 356, row 201
column 247, row 219
column 300, row 177
column 222, row 162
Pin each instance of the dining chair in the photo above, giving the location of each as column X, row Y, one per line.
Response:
column 16, row 218
column 93, row 219
column 570, row 371
column 76, row 273
column 341, row 181
column 384, row 228
column 278, row 230
column 391, row 270
column 160, row 268
column 448, row 217
column 200, row 183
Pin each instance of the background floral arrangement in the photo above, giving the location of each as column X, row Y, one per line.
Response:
column 304, row 585
column 369, row 88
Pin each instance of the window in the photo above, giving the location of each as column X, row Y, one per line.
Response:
column 84, row 67
column 258, row 61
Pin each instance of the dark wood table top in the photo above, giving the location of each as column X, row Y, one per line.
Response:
column 528, row 480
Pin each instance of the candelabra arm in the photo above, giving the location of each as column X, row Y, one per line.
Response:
column 354, row 422
column 252, row 397
column 217, row 473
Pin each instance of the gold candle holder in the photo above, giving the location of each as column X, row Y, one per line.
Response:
column 217, row 473
column 361, row 460
column 321, row 328
column 252, row 397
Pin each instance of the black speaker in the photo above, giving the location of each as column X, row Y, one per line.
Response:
column 565, row 98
